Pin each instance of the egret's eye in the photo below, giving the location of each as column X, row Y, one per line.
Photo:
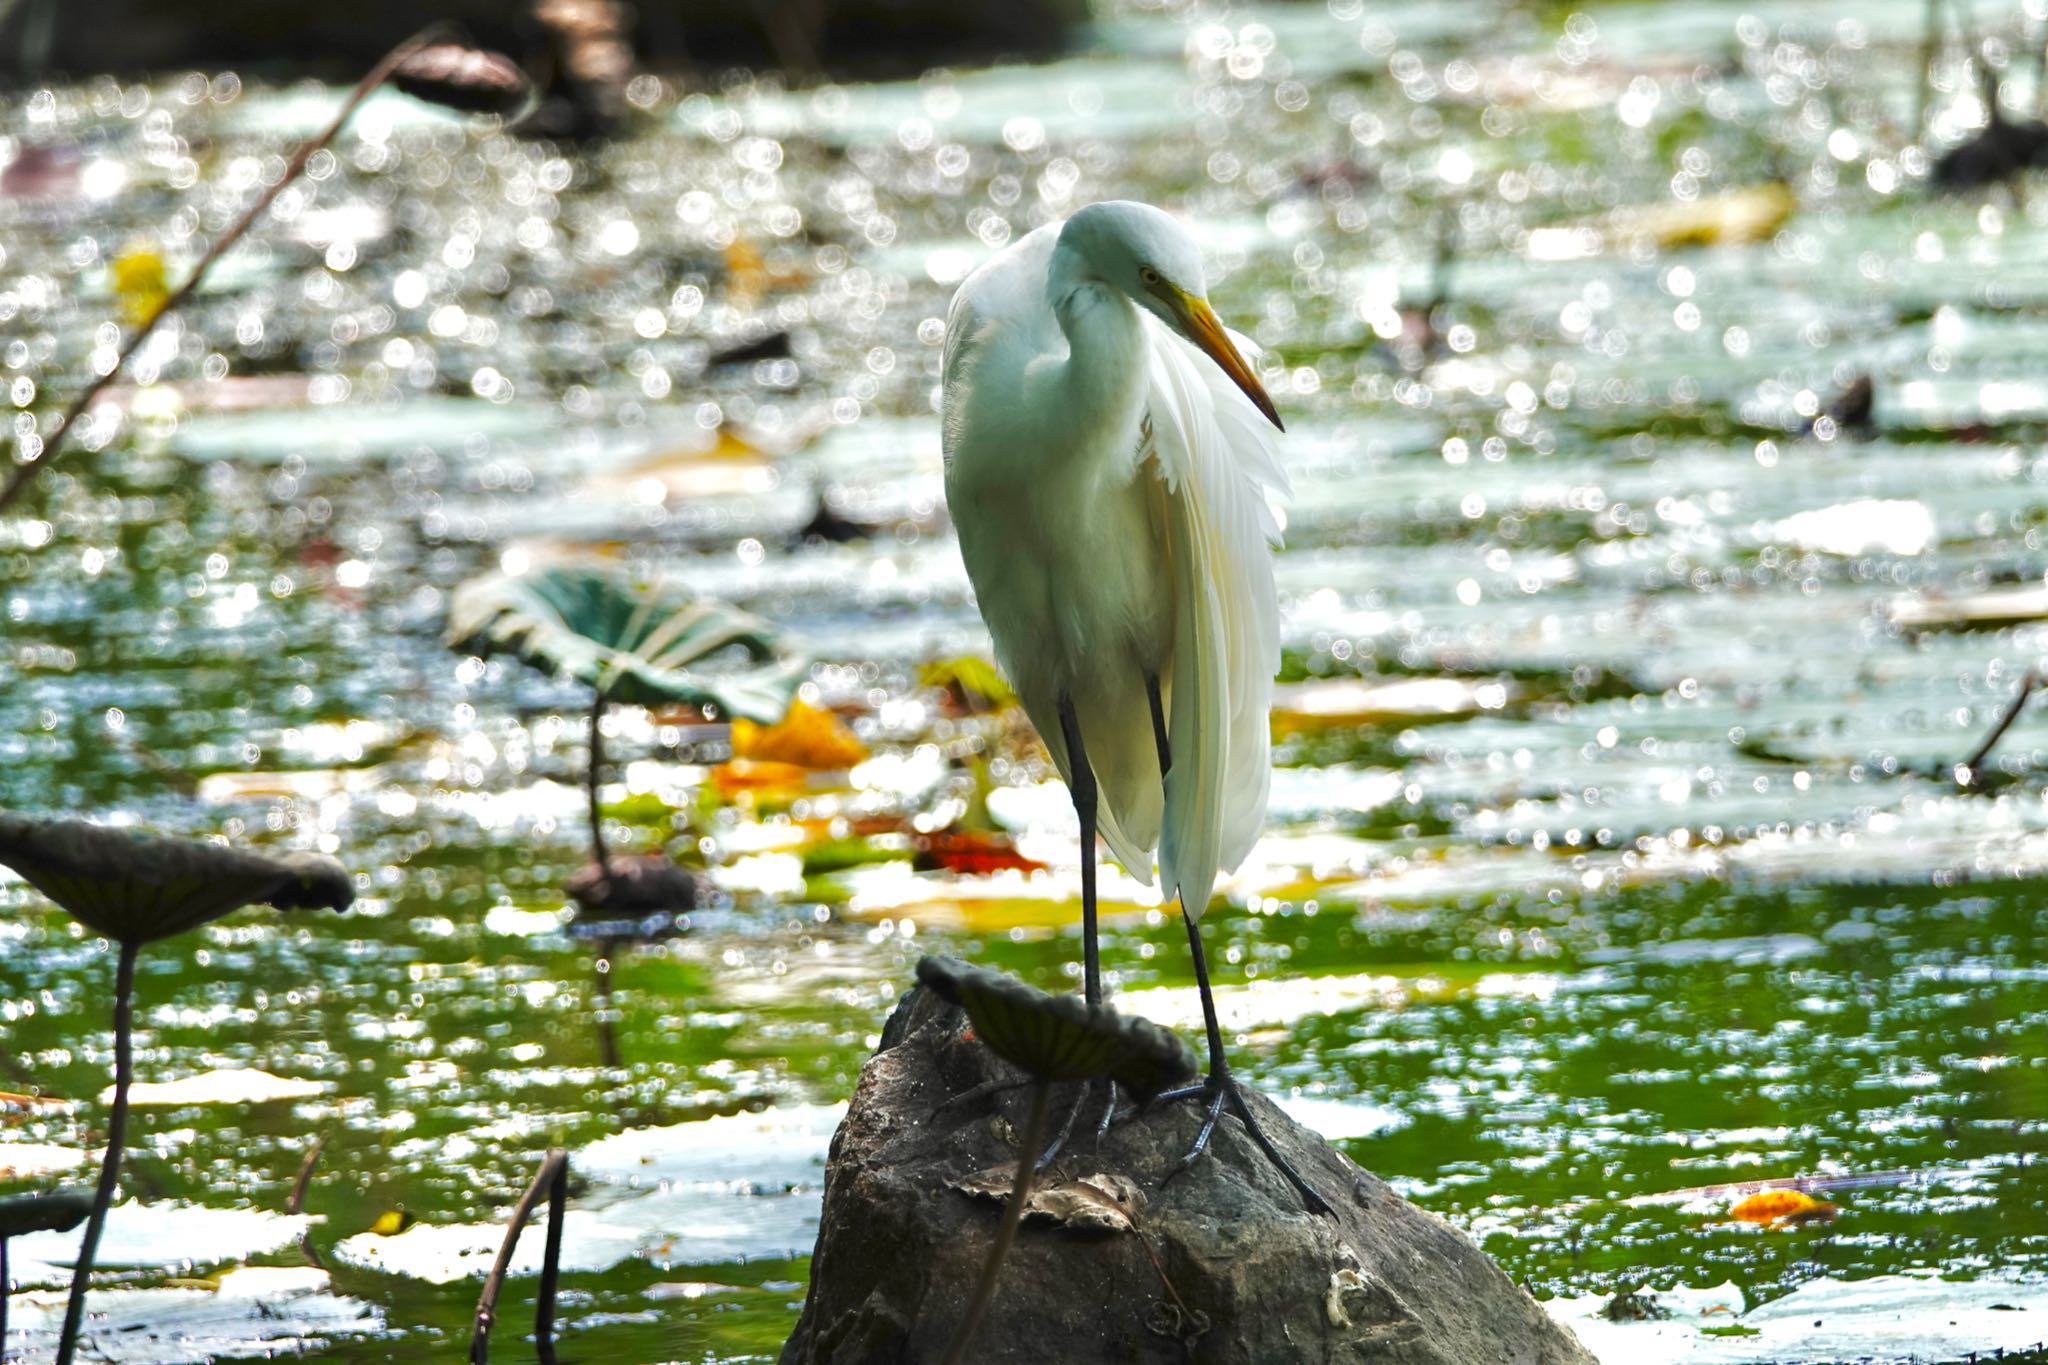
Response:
column 1148, row 275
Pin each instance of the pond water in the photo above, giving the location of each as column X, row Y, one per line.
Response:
column 1616, row 849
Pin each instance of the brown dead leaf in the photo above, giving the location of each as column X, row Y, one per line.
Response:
column 1098, row 1203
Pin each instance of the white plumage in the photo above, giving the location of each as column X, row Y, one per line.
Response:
column 1109, row 485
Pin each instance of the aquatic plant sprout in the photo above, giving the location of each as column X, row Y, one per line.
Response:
column 137, row 888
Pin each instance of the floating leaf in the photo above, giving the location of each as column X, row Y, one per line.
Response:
column 1994, row 610
column 391, row 1222
column 26, row 1160
column 808, row 737
column 239, row 1086
column 753, row 274
column 1060, row 1037
column 1749, row 213
column 137, row 888
column 645, row 643
column 972, row 853
column 1783, row 1208
column 761, row 779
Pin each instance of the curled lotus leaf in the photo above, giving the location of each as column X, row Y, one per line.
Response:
column 58, row 1211
column 137, row 888
column 1060, row 1037
column 644, row 643
column 468, row 79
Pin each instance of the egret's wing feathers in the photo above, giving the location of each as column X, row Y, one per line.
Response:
column 1218, row 459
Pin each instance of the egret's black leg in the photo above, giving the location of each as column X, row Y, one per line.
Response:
column 1159, row 728
column 1222, row 1088
column 1083, row 786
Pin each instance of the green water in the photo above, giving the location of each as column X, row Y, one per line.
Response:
column 1677, row 891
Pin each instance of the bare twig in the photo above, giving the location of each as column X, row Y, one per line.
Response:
column 378, row 74
column 1970, row 772
column 552, row 1179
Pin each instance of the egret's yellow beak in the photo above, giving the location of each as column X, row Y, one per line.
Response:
column 1199, row 322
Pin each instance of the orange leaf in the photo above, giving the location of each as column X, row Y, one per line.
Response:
column 808, row 737
column 1776, row 1207
column 762, row 779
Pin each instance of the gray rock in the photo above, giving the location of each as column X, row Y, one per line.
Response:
column 1255, row 1279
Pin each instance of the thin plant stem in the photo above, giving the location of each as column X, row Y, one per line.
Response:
column 607, row 1036
column 551, row 1268
column 297, row 1199
column 591, row 780
column 110, row 1166
column 1969, row 773
column 3, row 1298
column 550, row 1171
column 378, row 74
column 1006, row 1231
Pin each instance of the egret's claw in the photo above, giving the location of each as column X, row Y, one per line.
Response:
column 1222, row 1090
column 1059, row 1139
column 1052, row 1149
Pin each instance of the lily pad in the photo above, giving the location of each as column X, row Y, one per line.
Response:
column 137, row 888
column 1060, row 1037
column 247, row 1085
column 58, row 1212
column 25, row 1160
column 261, row 1317
column 1889, row 1317
column 173, row 1235
column 640, row 642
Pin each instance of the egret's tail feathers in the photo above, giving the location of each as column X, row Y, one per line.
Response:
column 1218, row 458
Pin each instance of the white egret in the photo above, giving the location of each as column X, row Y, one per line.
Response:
column 1109, row 489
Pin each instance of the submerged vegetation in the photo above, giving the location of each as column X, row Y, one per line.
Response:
column 1667, row 536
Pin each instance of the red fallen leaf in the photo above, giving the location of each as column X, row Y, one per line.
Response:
column 971, row 853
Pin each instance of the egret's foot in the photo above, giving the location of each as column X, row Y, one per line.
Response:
column 1221, row 1090
column 1059, row 1139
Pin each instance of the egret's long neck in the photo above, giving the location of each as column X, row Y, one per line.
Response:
column 1104, row 380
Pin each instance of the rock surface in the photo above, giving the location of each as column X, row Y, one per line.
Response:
column 1254, row 1278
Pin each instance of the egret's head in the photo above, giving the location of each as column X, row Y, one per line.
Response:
column 1155, row 262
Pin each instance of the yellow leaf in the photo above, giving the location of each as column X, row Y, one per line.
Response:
column 971, row 683
column 808, row 737
column 1749, row 213
column 139, row 283
column 392, row 1222
column 753, row 275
